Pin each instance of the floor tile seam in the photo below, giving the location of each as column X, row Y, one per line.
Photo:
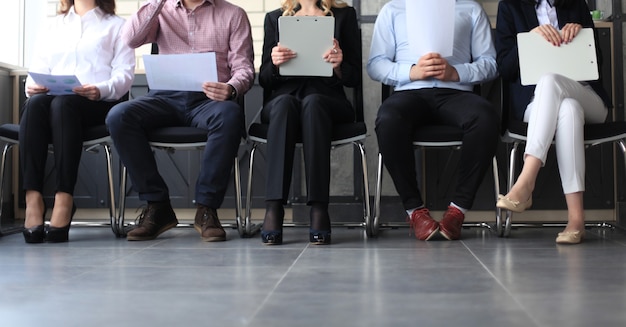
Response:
column 506, row 290
column 273, row 290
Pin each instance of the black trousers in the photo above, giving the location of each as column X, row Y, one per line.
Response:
column 405, row 111
column 130, row 121
column 310, row 120
column 60, row 121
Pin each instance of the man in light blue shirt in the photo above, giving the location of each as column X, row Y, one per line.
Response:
column 430, row 89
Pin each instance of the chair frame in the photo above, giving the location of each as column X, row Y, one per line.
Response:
column 355, row 140
column 423, row 144
column 90, row 145
column 519, row 137
column 171, row 147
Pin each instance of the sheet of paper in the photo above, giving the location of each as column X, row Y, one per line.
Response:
column 430, row 26
column 56, row 84
column 180, row 72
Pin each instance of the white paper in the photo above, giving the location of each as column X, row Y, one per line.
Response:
column 56, row 84
column 180, row 72
column 430, row 26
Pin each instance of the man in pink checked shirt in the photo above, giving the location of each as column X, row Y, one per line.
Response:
column 186, row 26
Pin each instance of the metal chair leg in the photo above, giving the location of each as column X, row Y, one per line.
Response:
column 122, row 201
column 373, row 228
column 111, row 196
column 5, row 151
column 367, row 213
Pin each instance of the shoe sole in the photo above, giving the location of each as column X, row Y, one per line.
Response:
column 444, row 234
column 148, row 238
column 209, row 239
column 434, row 232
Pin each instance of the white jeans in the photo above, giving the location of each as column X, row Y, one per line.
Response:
column 558, row 112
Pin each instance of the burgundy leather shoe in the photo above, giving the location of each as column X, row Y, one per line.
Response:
column 451, row 224
column 423, row 225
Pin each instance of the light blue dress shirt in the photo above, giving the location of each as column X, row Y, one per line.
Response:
column 474, row 55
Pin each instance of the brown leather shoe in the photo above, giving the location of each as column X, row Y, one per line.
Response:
column 153, row 220
column 451, row 224
column 423, row 225
column 208, row 225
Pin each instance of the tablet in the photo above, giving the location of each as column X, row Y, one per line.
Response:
column 576, row 60
column 310, row 37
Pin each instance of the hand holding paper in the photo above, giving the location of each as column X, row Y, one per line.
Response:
column 56, row 84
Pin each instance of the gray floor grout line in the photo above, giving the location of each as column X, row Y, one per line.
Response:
column 260, row 306
column 532, row 318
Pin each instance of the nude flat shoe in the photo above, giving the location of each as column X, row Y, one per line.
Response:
column 570, row 237
column 513, row 205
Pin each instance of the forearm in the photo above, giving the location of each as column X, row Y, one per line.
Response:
column 144, row 24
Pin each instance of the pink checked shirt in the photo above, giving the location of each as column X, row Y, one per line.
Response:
column 214, row 26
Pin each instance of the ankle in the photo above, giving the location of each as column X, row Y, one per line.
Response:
column 320, row 219
column 274, row 215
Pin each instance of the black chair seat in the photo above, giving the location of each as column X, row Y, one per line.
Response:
column 340, row 132
column 178, row 134
column 12, row 132
column 592, row 131
column 439, row 133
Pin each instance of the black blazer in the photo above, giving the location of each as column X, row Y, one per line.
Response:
column 348, row 36
column 516, row 16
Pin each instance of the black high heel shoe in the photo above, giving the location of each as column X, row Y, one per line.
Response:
column 34, row 234
column 60, row 234
column 37, row 233
column 319, row 237
column 272, row 237
column 274, row 211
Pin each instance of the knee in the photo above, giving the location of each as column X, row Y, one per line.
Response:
column 386, row 119
column 550, row 81
column 228, row 119
column 64, row 105
column 284, row 105
column 116, row 116
column 571, row 110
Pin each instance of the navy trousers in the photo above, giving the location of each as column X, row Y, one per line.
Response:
column 129, row 123
column 405, row 111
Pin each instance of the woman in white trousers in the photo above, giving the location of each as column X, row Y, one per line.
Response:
column 557, row 108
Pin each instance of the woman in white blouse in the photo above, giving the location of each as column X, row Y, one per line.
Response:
column 83, row 40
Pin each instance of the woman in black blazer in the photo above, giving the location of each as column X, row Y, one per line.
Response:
column 555, row 109
column 305, row 107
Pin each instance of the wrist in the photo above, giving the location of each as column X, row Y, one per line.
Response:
column 233, row 92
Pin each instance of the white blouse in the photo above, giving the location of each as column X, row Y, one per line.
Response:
column 89, row 47
column 546, row 14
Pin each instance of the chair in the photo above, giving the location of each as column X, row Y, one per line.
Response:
column 515, row 132
column 181, row 138
column 431, row 136
column 93, row 138
column 343, row 134
column 175, row 138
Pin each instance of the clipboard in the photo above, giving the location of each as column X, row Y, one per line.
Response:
column 310, row 37
column 576, row 60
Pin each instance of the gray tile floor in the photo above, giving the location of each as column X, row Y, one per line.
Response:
column 394, row 280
